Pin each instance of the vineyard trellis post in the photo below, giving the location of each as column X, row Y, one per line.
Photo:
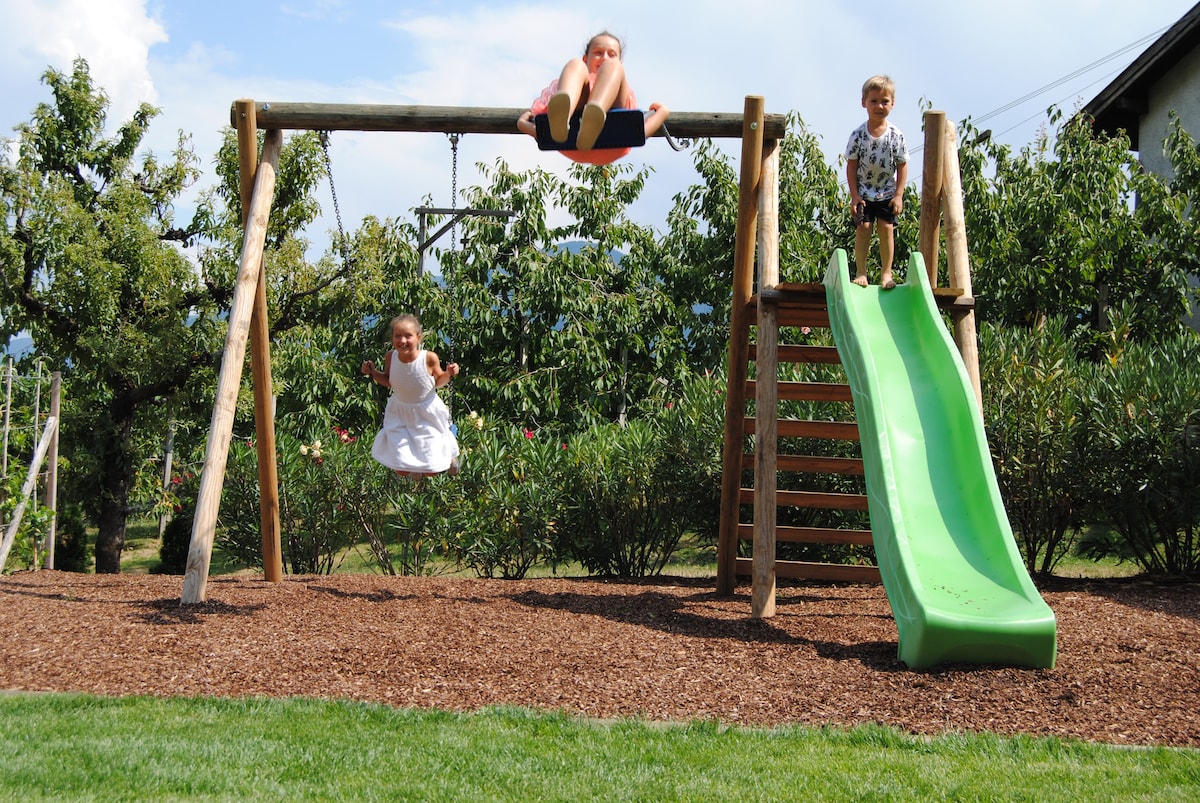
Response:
column 45, row 451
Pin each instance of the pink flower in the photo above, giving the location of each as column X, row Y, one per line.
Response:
column 528, row 434
column 670, row 405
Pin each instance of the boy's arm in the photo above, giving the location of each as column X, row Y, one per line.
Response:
column 852, row 182
column 901, row 181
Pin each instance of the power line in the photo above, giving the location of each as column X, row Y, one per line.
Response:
column 1053, row 85
column 1081, row 71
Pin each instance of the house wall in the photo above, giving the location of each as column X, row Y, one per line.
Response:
column 1174, row 91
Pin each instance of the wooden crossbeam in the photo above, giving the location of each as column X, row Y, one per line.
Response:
column 473, row 120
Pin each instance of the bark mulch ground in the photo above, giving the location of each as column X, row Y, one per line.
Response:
column 1128, row 666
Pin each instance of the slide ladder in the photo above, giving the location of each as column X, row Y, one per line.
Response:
column 793, row 306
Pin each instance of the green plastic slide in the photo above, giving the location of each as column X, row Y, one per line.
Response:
column 954, row 577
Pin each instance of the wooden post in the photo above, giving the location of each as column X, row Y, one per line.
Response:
column 957, row 263
column 766, row 402
column 37, row 413
column 260, row 363
column 931, row 191
column 229, row 379
column 739, row 341
column 168, row 458
column 8, row 379
column 52, row 471
column 39, row 457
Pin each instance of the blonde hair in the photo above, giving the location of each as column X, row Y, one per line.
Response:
column 406, row 318
column 881, row 83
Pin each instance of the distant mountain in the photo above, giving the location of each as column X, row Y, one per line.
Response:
column 575, row 246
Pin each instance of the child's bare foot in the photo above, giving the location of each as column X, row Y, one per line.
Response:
column 453, row 467
column 887, row 282
column 861, row 280
column 559, row 112
column 590, row 126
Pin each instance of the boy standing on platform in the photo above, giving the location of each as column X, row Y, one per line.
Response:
column 876, row 171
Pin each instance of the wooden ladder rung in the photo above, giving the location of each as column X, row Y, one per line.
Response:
column 812, row 535
column 803, row 570
column 792, row 353
column 812, row 464
column 801, row 288
column 803, row 316
column 798, row 428
column 806, row 391
column 818, row 499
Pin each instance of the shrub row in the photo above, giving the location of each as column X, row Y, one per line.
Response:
column 1109, row 447
column 615, row 499
column 1100, row 456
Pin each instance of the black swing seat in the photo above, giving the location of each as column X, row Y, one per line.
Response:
column 623, row 128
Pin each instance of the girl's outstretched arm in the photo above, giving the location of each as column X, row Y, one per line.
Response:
column 441, row 378
column 381, row 377
column 525, row 124
column 655, row 119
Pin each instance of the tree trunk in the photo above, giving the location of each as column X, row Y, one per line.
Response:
column 115, row 479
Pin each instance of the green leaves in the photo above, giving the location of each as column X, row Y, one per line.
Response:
column 1144, row 451
column 1033, row 398
column 510, row 509
column 1115, row 443
column 1078, row 233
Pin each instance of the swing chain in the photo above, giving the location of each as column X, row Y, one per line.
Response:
column 454, row 138
column 343, row 247
column 450, row 334
column 676, row 144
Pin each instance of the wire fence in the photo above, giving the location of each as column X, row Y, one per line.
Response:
column 28, row 452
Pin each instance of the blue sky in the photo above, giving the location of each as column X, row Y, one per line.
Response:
column 193, row 59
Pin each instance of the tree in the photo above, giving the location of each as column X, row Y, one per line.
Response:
column 92, row 269
column 1143, row 409
column 1063, row 236
column 554, row 335
column 132, row 306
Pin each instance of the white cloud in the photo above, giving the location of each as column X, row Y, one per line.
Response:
column 114, row 37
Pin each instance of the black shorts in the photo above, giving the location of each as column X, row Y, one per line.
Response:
column 875, row 210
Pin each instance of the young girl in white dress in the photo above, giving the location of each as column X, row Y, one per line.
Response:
column 416, row 438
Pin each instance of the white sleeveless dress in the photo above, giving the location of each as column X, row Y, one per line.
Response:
column 416, row 435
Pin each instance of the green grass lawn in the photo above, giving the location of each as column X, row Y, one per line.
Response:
column 73, row 747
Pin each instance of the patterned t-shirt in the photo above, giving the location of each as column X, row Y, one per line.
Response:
column 878, row 158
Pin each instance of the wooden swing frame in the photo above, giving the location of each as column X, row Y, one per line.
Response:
column 760, row 135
